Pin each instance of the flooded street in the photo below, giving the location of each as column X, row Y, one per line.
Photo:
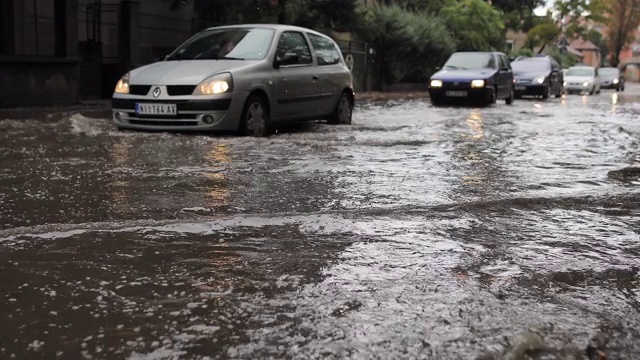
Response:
column 417, row 232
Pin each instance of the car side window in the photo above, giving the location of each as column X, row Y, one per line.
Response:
column 294, row 42
column 504, row 62
column 325, row 50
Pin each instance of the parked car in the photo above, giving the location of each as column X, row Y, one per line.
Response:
column 537, row 76
column 581, row 79
column 244, row 78
column 481, row 77
column 611, row 78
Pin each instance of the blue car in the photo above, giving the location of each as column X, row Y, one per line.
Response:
column 476, row 77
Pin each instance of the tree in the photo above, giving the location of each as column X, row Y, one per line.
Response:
column 542, row 35
column 574, row 16
column 622, row 18
column 518, row 14
column 475, row 24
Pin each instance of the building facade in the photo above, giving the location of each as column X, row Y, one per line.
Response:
column 60, row 51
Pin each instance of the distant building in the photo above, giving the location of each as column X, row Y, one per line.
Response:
column 591, row 53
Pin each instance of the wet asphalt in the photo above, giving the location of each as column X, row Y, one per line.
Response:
column 415, row 233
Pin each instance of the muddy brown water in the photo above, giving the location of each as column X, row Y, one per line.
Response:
column 417, row 232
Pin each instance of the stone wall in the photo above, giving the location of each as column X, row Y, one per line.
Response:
column 28, row 81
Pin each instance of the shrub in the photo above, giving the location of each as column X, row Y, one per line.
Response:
column 408, row 46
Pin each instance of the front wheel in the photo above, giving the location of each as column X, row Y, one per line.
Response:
column 512, row 96
column 255, row 117
column 343, row 113
column 546, row 92
column 492, row 97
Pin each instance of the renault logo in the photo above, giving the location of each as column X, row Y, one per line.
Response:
column 156, row 92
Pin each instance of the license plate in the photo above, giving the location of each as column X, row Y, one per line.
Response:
column 456, row 93
column 156, row 109
column 521, row 87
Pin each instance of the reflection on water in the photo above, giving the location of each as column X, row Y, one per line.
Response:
column 218, row 194
column 475, row 123
column 614, row 102
column 120, row 155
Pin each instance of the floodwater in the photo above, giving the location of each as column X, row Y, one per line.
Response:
column 415, row 233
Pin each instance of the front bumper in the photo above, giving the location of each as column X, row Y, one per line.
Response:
column 530, row 89
column 222, row 113
column 460, row 94
column 609, row 85
column 570, row 88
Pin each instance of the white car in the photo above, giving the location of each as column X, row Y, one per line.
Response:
column 246, row 78
column 581, row 79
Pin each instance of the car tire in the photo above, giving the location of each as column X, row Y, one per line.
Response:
column 492, row 97
column 255, row 117
column 546, row 93
column 560, row 92
column 512, row 96
column 593, row 90
column 436, row 102
column 343, row 112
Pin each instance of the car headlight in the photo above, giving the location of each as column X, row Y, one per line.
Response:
column 586, row 83
column 477, row 83
column 435, row 83
column 539, row 80
column 615, row 81
column 122, row 87
column 564, row 83
column 217, row 84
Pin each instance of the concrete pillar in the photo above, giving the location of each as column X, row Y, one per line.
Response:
column 7, row 27
column 66, row 28
column 129, row 33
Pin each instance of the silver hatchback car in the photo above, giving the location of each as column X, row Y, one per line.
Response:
column 245, row 78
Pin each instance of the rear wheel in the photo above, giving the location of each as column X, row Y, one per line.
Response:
column 512, row 96
column 255, row 117
column 343, row 112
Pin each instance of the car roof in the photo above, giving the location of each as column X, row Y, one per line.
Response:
column 480, row 52
column 534, row 58
column 269, row 26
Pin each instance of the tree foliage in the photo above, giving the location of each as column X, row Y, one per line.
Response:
column 574, row 16
column 519, row 15
column 408, row 45
column 622, row 17
column 542, row 35
column 475, row 24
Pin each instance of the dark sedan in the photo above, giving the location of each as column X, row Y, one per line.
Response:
column 478, row 77
column 537, row 76
column 611, row 78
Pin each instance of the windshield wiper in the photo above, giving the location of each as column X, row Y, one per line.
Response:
column 230, row 58
column 451, row 67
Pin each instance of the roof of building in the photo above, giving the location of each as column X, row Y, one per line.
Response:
column 580, row 44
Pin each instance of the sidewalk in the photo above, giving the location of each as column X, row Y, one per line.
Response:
column 102, row 108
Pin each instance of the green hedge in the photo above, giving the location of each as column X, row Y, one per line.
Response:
column 408, row 46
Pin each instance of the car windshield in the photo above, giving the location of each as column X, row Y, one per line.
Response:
column 530, row 65
column 229, row 43
column 580, row 72
column 609, row 71
column 470, row 61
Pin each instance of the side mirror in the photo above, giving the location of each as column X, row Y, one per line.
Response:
column 287, row 59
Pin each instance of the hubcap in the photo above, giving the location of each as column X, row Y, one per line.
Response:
column 255, row 118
